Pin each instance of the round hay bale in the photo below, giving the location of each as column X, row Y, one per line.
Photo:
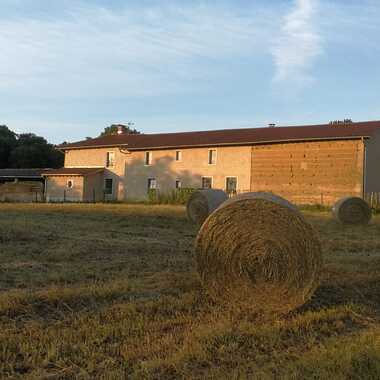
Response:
column 257, row 251
column 352, row 210
column 203, row 202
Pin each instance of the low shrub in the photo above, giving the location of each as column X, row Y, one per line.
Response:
column 177, row 196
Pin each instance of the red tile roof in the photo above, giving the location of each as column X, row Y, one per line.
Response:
column 247, row 136
column 72, row 171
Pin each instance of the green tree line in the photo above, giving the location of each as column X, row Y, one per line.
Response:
column 27, row 150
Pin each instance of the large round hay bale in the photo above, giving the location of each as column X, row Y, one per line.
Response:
column 258, row 251
column 203, row 202
column 352, row 210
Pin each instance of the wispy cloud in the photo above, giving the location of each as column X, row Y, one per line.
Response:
column 298, row 44
column 69, row 65
column 145, row 51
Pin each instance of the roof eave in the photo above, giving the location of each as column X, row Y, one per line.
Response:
column 21, row 176
column 72, row 174
column 216, row 145
column 250, row 143
column 92, row 146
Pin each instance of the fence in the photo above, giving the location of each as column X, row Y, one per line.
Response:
column 324, row 199
column 180, row 196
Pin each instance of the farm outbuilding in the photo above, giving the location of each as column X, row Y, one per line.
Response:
column 305, row 164
column 21, row 185
column 74, row 185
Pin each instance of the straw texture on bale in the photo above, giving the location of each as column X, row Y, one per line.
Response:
column 257, row 251
column 352, row 210
column 203, row 202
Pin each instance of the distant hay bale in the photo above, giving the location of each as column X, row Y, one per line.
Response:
column 352, row 210
column 203, row 202
column 257, row 251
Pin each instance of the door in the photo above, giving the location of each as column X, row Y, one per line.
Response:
column 108, row 189
column 231, row 185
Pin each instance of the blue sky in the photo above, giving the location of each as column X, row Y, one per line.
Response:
column 69, row 68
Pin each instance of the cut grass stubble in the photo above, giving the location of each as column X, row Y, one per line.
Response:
column 110, row 291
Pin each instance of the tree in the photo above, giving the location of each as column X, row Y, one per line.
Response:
column 114, row 128
column 8, row 142
column 33, row 151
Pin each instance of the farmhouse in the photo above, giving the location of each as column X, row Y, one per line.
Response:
column 306, row 164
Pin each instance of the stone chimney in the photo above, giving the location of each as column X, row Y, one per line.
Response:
column 339, row 123
column 120, row 129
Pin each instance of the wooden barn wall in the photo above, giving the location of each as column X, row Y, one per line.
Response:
column 309, row 172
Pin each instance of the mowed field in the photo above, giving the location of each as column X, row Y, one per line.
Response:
column 111, row 292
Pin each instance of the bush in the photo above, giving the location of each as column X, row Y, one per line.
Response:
column 177, row 196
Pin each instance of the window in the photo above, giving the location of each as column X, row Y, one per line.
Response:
column 178, row 184
column 231, row 185
column 70, row 183
column 108, row 186
column 110, row 159
column 152, row 183
column 178, row 155
column 212, row 157
column 148, row 158
column 206, row 182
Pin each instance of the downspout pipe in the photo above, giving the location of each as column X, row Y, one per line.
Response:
column 364, row 181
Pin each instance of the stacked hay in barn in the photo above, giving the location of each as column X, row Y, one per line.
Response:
column 203, row 202
column 257, row 251
column 352, row 210
column 26, row 191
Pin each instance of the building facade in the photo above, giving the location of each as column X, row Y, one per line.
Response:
column 307, row 164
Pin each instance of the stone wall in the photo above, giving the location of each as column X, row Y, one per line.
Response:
column 230, row 162
column 57, row 190
column 130, row 174
column 97, row 158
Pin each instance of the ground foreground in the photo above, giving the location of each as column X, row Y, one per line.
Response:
column 111, row 292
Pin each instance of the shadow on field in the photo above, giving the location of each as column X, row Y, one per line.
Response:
column 360, row 292
column 352, row 259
